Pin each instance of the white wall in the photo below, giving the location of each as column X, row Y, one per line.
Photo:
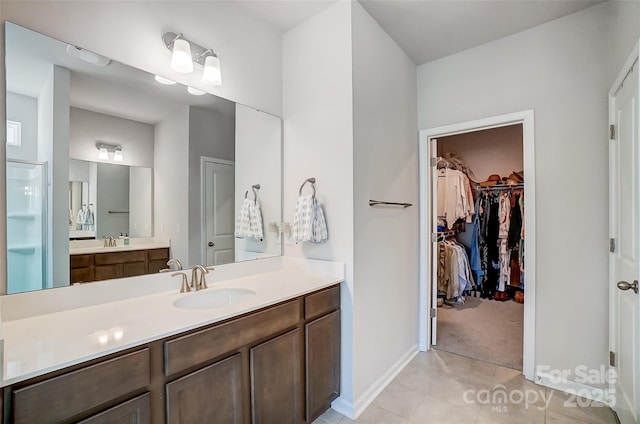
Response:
column 113, row 196
column 171, row 179
column 558, row 70
column 211, row 134
column 624, row 32
column 386, row 239
column 24, row 109
column 318, row 137
column 140, row 202
column 88, row 127
column 258, row 156
column 131, row 32
column 486, row 152
column 53, row 148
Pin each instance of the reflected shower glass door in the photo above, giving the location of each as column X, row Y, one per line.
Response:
column 26, row 225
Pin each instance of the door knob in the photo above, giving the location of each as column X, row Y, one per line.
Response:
column 623, row 285
column 210, row 244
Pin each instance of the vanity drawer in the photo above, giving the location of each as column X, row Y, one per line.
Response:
column 81, row 261
column 61, row 398
column 196, row 348
column 162, row 254
column 321, row 303
column 120, row 257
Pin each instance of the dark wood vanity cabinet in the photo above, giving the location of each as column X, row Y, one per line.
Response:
column 280, row 364
column 109, row 265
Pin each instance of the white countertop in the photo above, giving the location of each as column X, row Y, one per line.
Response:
column 39, row 344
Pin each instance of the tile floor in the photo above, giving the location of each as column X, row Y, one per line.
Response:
column 431, row 389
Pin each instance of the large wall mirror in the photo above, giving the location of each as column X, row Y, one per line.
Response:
column 96, row 148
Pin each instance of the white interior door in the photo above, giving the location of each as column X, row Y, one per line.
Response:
column 624, row 224
column 433, row 149
column 218, row 200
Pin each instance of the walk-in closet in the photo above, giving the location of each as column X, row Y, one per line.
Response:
column 478, row 202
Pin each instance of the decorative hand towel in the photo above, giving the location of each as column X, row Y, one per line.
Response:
column 308, row 221
column 89, row 218
column 243, row 220
column 81, row 217
column 255, row 220
column 249, row 220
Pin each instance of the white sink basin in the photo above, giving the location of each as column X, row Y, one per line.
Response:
column 213, row 298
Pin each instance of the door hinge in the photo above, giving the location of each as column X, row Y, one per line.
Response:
column 432, row 313
column 612, row 245
column 612, row 132
column 612, row 358
column 434, row 161
column 434, row 237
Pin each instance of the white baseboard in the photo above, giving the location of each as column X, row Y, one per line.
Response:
column 353, row 410
column 583, row 390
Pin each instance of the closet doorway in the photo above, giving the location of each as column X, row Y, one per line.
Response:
column 477, row 186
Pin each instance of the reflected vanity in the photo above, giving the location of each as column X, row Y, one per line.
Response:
column 184, row 165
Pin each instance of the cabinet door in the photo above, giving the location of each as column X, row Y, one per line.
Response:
column 212, row 395
column 276, row 380
column 135, row 411
column 133, row 269
column 107, row 272
column 323, row 363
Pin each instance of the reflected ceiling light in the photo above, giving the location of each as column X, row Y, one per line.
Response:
column 117, row 154
column 106, row 148
column 103, row 155
column 211, row 73
column 163, row 80
column 195, row 91
column 203, row 57
column 87, row 56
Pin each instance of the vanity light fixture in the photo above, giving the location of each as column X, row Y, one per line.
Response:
column 211, row 73
column 163, row 80
column 117, row 154
column 205, row 58
column 106, row 148
column 195, row 91
column 103, row 155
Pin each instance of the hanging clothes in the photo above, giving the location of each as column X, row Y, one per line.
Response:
column 454, row 272
column 455, row 199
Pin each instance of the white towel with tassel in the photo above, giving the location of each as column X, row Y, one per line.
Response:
column 308, row 221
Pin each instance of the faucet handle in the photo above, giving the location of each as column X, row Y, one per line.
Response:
column 184, row 286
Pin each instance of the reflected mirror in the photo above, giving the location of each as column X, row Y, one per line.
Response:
column 103, row 160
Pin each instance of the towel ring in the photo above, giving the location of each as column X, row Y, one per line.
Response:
column 311, row 180
column 255, row 189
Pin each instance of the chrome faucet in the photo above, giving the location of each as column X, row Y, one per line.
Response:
column 198, row 282
column 171, row 262
column 184, row 285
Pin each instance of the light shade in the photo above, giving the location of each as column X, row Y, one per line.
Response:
column 163, row 80
column 181, row 60
column 211, row 74
column 117, row 155
column 195, row 91
column 103, row 155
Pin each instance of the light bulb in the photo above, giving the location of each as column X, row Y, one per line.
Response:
column 181, row 60
column 117, row 155
column 103, row 155
column 195, row 91
column 211, row 73
column 163, row 80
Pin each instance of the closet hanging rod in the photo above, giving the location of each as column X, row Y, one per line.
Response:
column 381, row 202
column 502, row 187
column 118, row 211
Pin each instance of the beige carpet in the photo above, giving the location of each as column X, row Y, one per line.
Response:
column 487, row 330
